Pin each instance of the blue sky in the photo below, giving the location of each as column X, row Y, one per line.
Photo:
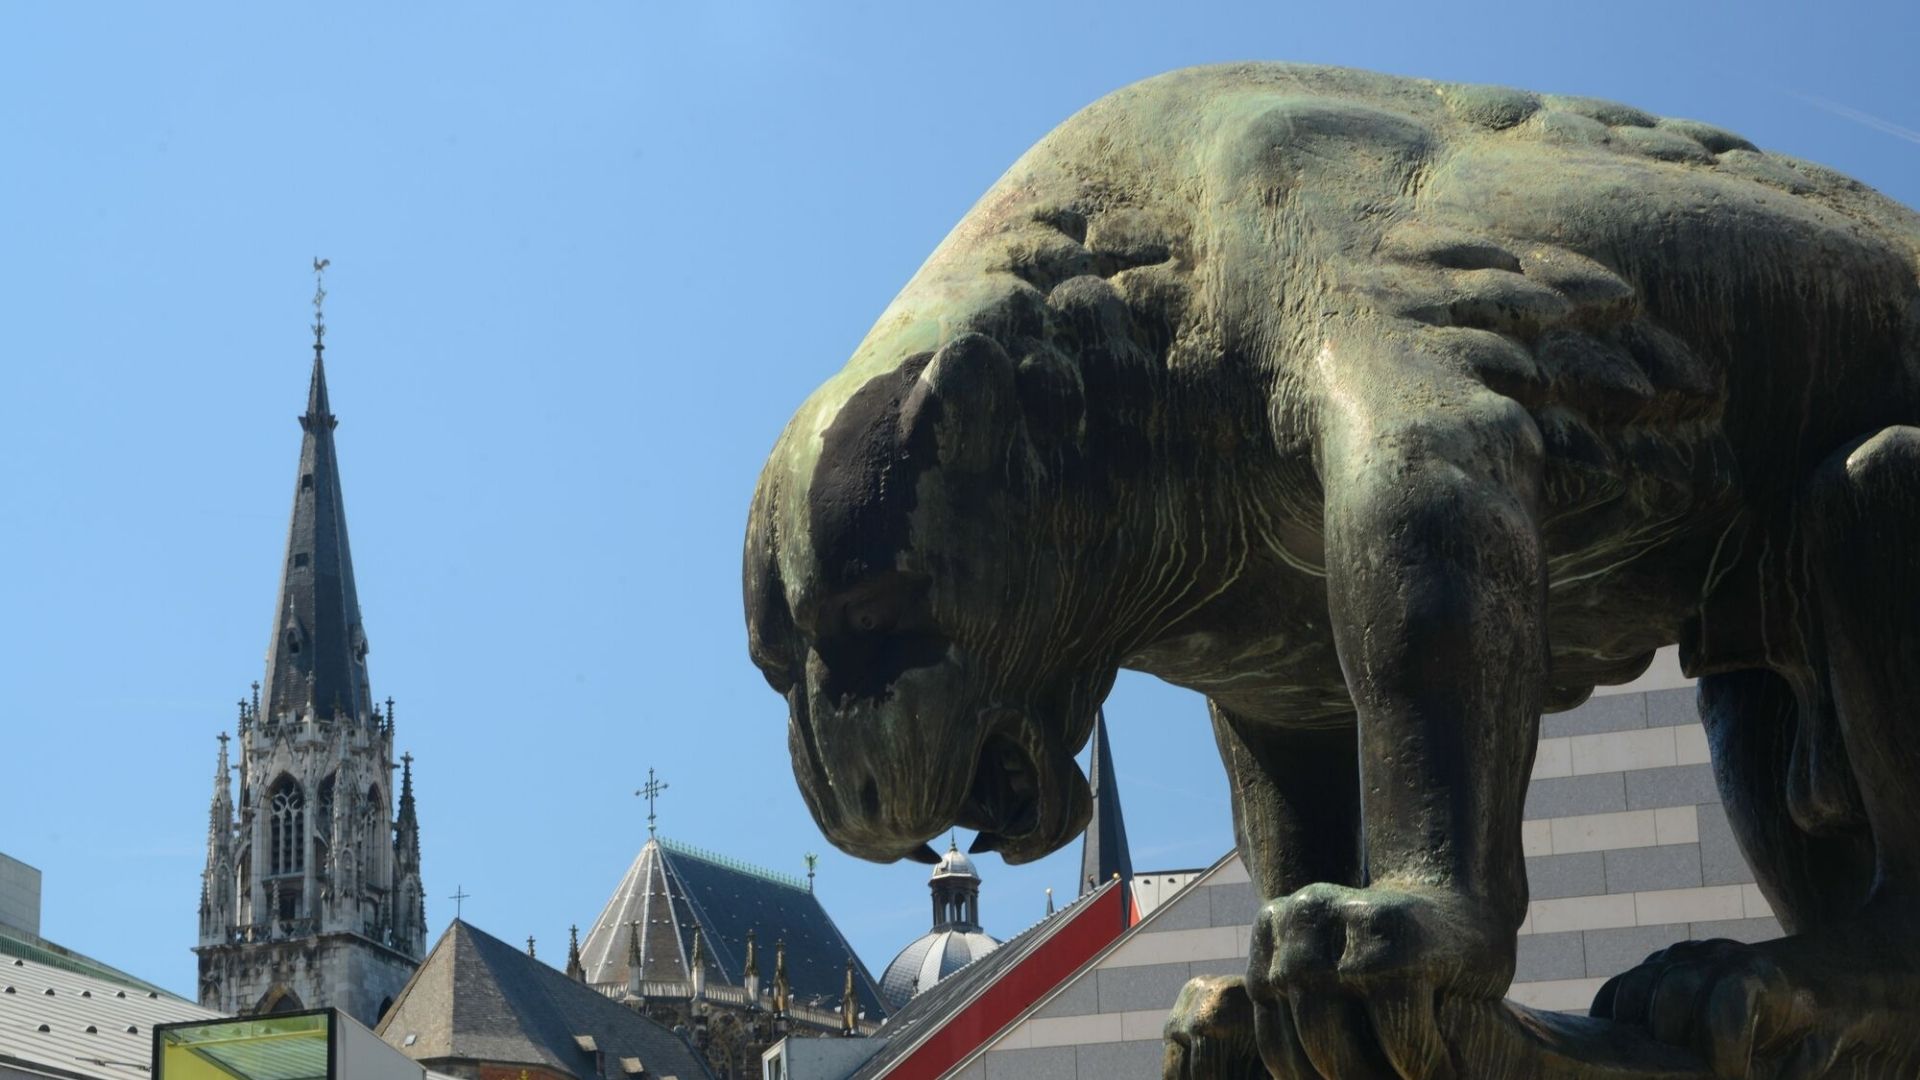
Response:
column 587, row 258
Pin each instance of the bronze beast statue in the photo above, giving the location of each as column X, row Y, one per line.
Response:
column 1388, row 414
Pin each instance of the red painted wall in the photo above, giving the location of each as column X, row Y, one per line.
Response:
column 1088, row 930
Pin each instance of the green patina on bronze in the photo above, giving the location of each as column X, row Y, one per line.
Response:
column 1388, row 414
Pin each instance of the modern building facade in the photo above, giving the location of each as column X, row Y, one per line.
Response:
column 1628, row 851
column 19, row 895
column 311, row 896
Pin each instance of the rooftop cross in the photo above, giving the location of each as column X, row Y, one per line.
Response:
column 650, row 791
column 460, row 896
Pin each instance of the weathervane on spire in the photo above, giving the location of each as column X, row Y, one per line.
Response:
column 650, row 791
column 319, row 298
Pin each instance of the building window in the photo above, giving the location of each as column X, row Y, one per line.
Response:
column 287, row 826
column 306, row 481
column 299, row 558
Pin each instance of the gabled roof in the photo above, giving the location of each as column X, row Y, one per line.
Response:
column 98, row 1027
column 968, row 1008
column 672, row 888
column 477, row 998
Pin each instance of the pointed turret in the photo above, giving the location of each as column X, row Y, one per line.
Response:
column 216, row 881
column 1103, row 854
column 575, row 969
column 410, row 906
column 316, row 658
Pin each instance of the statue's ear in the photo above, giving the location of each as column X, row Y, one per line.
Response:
column 963, row 408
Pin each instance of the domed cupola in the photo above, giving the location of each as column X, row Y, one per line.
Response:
column 956, row 939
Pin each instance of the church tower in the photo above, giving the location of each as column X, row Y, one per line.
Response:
column 311, row 894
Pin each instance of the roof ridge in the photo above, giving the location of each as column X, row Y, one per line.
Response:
column 36, row 949
column 728, row 862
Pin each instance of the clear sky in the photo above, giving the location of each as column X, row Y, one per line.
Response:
column 587, row 258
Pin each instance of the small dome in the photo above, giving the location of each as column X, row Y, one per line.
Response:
column 932, row 958
column 954, row 864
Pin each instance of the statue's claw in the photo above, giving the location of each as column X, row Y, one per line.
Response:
column 1345, row 982
column 1209, row 1034
column 1789, row 1008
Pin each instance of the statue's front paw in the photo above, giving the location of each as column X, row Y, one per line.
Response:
column 1209, row 1034
column 1840, row 1003
column 1345, row 982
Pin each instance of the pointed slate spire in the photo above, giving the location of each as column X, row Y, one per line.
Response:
column 1103, row 854
column 317, row 654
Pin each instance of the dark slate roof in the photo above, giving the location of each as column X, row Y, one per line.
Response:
column 725, row 899
column 903, row 1029
column 317, row 650
column 1104, row 851
column 477, row 998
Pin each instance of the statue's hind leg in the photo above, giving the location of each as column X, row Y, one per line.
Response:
column 1840, row 995
column 1436, row 592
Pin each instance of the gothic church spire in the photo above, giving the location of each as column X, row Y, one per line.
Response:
column 1103, row 854
column 316, row 658
column 312, row 895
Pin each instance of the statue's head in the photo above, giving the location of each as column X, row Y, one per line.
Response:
column 926, row 578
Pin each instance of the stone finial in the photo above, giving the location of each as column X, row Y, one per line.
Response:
column 575, row 969
column 634, row 963
column 782, row 989
column 849, row 1004
column 699, row 964
column 750, row 976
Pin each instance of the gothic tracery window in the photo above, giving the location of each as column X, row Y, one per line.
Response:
column 323, row 810
column 287, row 809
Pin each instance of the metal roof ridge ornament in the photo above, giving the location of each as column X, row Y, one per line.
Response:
column 681, row 847
column 319, row 301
